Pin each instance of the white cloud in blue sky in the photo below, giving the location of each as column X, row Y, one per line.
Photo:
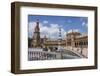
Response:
column 45, row 21
column 51, row 31
column 49, row 25
column 84, row 24
column 73, row 30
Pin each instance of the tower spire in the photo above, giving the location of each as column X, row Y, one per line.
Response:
column 37, row 26
column 36, row 37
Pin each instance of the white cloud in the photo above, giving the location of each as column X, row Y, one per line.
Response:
column 45, row 21
column 76, row 30
column 84, row 24
column 51, row 31
column 31, row 27
column 73, row 30
column 54, row 25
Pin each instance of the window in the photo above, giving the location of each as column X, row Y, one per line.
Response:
column 84, row 43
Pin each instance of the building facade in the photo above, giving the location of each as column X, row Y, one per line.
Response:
column 73, row 39
column 36, row 41
column 76, row 39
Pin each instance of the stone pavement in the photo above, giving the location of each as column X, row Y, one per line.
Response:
column 83, row 52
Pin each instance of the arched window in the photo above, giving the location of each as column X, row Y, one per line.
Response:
column 80, row 43
column 84, row 43
column 77, row 43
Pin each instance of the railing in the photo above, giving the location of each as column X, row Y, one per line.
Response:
column 38, row 54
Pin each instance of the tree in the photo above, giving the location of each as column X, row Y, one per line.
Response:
column 29, row 42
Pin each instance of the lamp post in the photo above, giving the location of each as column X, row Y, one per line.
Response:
column 81, row 46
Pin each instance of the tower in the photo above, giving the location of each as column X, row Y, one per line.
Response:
column 45, row 38
column 36, row 37
column 72, row 39
column 60, row 37
column 44, row 41
column 59, row 40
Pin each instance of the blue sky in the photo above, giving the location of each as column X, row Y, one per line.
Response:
column 53, row 22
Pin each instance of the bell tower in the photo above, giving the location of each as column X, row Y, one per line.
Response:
column 36, row 37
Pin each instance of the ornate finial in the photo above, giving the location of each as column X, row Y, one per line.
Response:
column 37, row 25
